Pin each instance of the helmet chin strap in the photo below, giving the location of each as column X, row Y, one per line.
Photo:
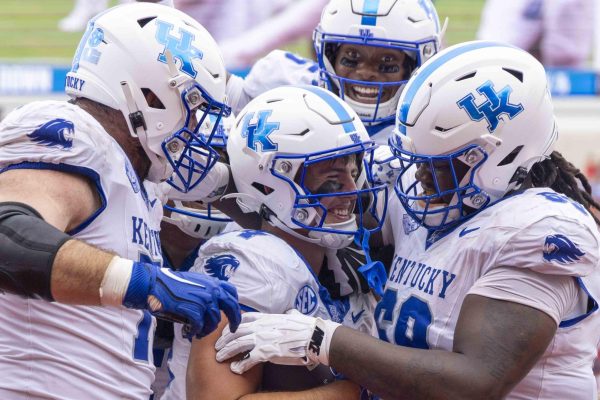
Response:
column 328, row 240
column 336, row 241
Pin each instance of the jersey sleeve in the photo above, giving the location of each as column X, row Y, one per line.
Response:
column 555, row 295
column 553, row 245
column 53, row 135
column 261, row 267
column 278, row 68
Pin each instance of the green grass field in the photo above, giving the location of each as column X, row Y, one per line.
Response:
column 28, row 28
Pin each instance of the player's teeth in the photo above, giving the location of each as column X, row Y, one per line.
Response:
column 366, row 90
column 340, row 212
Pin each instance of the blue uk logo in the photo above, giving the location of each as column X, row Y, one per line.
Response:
column 561, row 249
column 87, row 49
column 365, row 33
column 180, row 47
column 496, row 105
column 56, row 133
column 258, row 133
column 221, row 267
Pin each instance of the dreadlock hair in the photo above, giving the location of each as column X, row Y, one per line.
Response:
column 563, row 177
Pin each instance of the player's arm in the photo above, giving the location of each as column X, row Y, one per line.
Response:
column 38, row 206
column 339, row 390
column 496, row 343
column 40, row 260
column 209, row 379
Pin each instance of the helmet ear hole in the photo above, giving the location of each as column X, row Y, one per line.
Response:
column 152, row 99
column 264, row 189
column 511, row 156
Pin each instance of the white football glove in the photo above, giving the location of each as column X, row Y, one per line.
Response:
column 286, row 339
column 385, row 167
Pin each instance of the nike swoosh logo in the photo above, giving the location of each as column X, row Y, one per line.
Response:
column 170, row 274
column 356, row 317
column 466, row 231
column 153, row 202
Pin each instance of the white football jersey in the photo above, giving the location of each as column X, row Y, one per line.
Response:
column 51, row 350
column 270, row 277
column 282, row 68
column 538, row 230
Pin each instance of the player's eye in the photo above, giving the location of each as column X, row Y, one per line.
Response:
column 346, row 62
column 389, row 68
column 329, row 186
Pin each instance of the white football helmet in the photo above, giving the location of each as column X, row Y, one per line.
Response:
column 276, row 138
column 203, row 221
column 139, row 51
column 408, row 25
column 480, row 107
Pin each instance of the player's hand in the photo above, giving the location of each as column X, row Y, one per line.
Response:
column 187, row 297
column 286, row 339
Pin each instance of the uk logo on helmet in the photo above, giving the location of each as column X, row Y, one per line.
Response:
column 258, row 133
column 180, row 47
column 496, row 105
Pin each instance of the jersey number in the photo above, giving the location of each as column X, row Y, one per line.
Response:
column 141, row 343
column 413, row 320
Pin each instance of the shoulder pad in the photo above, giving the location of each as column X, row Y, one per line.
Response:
column 54, row 132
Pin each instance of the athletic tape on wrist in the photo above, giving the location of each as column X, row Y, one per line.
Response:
column 115, row 282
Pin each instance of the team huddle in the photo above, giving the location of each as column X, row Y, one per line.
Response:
column 389, row 222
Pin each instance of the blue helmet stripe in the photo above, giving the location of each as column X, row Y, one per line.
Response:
column 425, row 72
column 334, row 103
column 370, row 7
column 429, row 9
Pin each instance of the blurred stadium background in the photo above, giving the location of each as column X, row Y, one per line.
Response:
column 35, row 56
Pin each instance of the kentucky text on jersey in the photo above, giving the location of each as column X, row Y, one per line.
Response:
column 428, row 279
column 147, row 237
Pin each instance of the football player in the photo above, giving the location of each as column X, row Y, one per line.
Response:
column 296, row 157
column 80, row 229
column 366, row 51
column 493, row 291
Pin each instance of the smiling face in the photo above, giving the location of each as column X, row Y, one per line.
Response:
column 370, row 64
column 334, row 176
column 446, row 175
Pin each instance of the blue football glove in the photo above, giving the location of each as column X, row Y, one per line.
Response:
column 186, row 297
